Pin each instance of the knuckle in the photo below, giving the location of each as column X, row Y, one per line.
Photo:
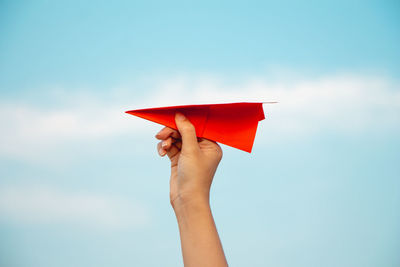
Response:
column 187, row 127
column 219, row 154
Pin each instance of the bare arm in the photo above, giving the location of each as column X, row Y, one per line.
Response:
column 193, row 165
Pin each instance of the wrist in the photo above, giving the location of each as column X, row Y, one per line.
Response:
column 192, row 202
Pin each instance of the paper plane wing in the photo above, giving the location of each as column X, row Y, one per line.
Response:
column 233, row 124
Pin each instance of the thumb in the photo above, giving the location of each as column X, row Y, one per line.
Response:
column 188, row 133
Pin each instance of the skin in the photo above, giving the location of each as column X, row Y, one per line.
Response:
column 193, row 165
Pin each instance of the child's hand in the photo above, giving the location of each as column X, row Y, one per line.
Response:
column 193, row 161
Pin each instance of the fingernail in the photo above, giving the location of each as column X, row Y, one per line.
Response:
column 164, row 144
column 180, row 116
column 162, row 152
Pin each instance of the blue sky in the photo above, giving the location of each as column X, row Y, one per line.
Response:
column 81, row 183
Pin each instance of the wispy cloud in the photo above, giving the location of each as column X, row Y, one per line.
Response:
column 30, row 130
column 47, row 205
column 340, row 104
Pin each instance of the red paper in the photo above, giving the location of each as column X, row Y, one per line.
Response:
column 233, row 124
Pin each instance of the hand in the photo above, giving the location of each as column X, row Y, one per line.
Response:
column 193, row 165
column 193, row 161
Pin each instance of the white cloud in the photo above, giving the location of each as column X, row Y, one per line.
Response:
column 339, row 104
column 29, row 131
column 46, row 205
column 343, row 104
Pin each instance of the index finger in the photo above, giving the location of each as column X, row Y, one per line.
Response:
column 167, row 132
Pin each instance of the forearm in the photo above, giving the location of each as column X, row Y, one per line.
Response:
column 200, row 242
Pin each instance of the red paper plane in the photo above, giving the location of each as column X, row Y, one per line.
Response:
column 233, row 124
